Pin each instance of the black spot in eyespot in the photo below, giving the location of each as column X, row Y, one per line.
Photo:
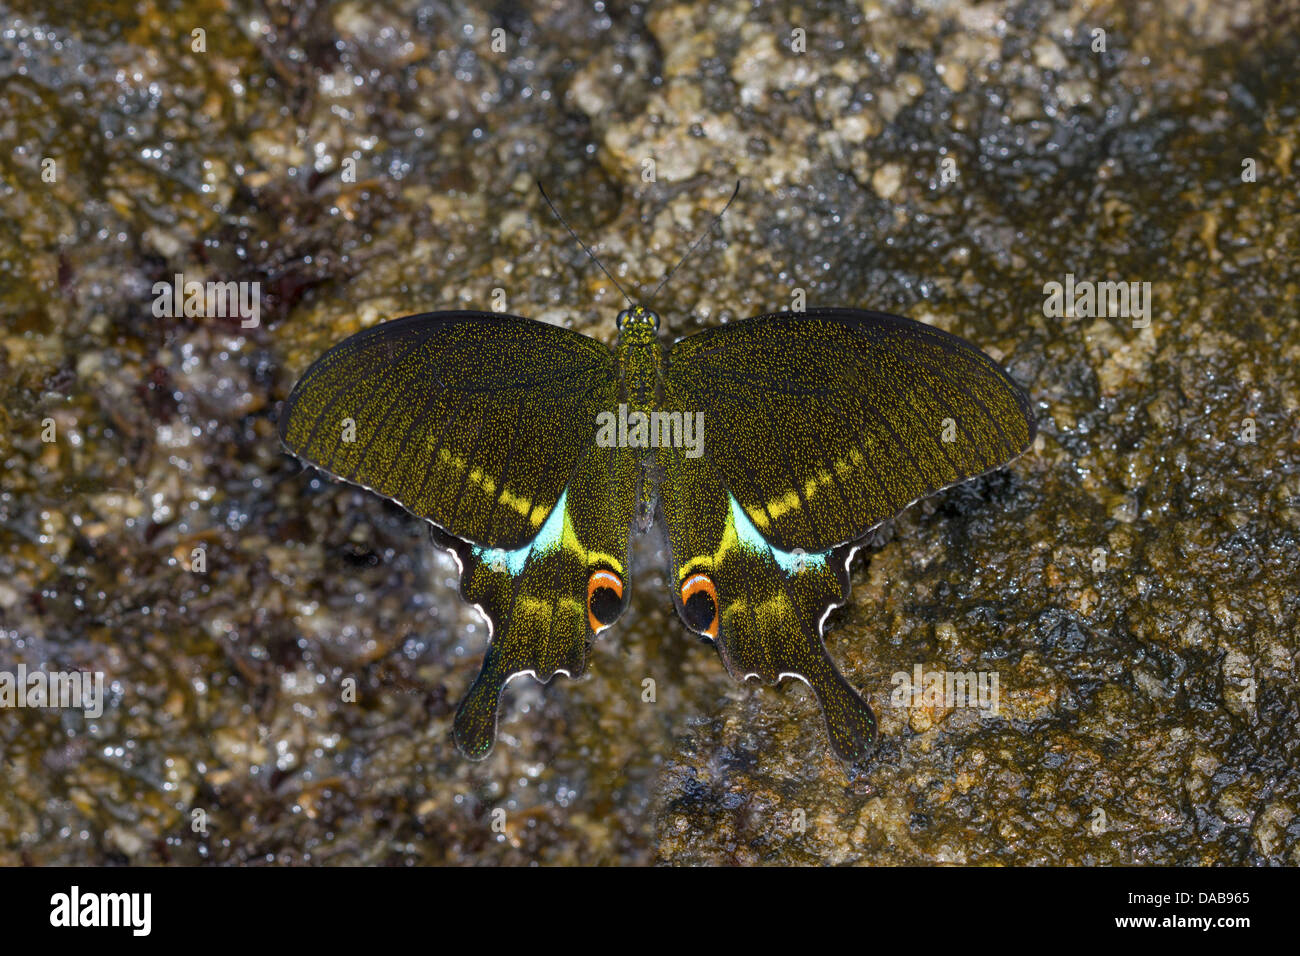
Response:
column 700, row 611
column 605, row 605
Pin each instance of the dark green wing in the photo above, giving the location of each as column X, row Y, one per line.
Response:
column 472, row 420
column 484, row 425
column 817, row 427
column 824, row 424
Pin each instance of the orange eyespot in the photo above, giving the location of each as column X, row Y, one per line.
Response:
column 700, row 605
column 604, row 599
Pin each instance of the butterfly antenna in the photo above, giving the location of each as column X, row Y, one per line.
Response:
column 542, row 190
column 716, row 219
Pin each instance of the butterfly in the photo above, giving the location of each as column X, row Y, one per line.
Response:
column 769, row 449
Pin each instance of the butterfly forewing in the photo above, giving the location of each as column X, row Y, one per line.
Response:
column 472, row 420
column 824, row 424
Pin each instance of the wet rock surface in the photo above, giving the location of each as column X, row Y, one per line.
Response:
column 1131, row 581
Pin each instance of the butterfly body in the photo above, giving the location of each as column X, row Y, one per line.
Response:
column 638, row 364
column 769, row 448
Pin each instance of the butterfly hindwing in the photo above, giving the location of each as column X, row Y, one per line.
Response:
column 823, row 424
column 762, row 607
column 546, row 601
column 472, row 420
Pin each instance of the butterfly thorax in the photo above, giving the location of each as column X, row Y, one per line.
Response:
column 639, row 359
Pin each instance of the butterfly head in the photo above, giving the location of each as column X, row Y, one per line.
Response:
column 638, row 321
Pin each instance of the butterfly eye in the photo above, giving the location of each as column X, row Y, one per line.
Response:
column 700, row 605
column 604, row 599
column 622, row 317
column 654, row 317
